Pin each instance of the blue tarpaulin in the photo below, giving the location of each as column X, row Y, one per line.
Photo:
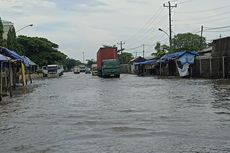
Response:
column 14, row 55
column 146, row 62
column 4, row 58
column 31, row 63
column 183, row 56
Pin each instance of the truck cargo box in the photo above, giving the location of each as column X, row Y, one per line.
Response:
column 106, row 53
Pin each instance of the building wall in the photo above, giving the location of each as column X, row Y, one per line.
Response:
column 214, row 67
column 6, row 27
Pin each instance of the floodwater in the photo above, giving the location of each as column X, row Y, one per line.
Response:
column 79, row 113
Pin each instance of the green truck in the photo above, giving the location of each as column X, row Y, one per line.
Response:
column 111, row 68
column 108, row 64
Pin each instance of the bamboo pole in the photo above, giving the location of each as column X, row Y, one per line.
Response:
column 210, row 66
column 160, row 68
column 30, row 78
column 10, row 78
column 1, row 83
column 200, row 68
column 223, row 67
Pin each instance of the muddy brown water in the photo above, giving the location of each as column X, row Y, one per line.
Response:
column 80, row 113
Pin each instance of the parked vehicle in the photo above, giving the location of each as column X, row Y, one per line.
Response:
column 52, row 71
column 94, row 69
column 87, row 71
column 82, row 68
column 76, row 70
column 107, row 62
column 60, row 70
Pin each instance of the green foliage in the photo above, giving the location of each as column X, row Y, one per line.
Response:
column 188, row 42
column 41, row 50
column 90, row 62
column 1, row 33
column 11, row 39
column 161, row 50
column 70, row 63
column 160, row 53
column 125, row 57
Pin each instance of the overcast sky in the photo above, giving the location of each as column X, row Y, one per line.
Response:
column 79, row 26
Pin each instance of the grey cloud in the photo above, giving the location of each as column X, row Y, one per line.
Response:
column 78, row 3
column 138, row 2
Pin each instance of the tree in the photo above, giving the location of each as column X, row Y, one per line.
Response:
column 90, row 62
column 161, row 50
column 41, row 50
column 11, row 39
column 125, row 57
column 1, row 32
column 188, row 42
column 70, row 63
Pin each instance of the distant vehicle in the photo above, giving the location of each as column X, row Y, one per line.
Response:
column 82, row 68
column 76, row 70
column 60, row 70
column 94, row 69
column 44, row 71
column 87, row 71
column 108, row 64
column 52, row 71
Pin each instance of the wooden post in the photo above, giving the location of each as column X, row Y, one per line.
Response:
column 10, row 78
column 210, row 68
column 160, row 68
column 191, row 70
column 223, row 67
column 200, row 68
column 6, row 80
column 1, row 83
column 30, row 77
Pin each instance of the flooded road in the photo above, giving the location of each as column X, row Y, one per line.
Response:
column 86, row 114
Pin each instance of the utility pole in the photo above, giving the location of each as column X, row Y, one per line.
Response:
column 143, row 50
column 201, row 35
column 170, row 22
column 121, row 48
column 83, row 57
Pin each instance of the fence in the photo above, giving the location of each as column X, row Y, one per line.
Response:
column 213, row 67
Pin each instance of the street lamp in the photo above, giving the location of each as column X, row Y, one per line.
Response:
column 30, row 25
column 163, row 31
column 170, row 41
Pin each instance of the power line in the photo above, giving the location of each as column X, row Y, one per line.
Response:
column 207, row 10
column 134, row 48
column 204, row 21
column 147, row 30
column 218, row 31
column 146, row 23
column 204, row 17
column 224, row 27
column 186, row 1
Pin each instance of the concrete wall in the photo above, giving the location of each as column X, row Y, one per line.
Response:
column 6, row 27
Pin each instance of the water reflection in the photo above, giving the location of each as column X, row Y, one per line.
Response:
column 221, row 92
column 81, row 113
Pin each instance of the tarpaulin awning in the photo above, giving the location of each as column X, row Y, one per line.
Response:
column 4, row 58
column 146, row 62
column 183, row 56
column 177, row 55
column 31, row 63
column 13, row 55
